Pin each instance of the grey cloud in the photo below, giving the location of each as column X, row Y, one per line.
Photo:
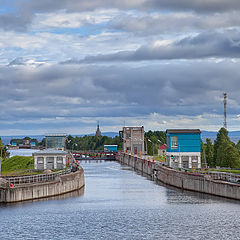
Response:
column 189, row 88
column 174, row 22
column 83, row 5
column 203, row 45
column 25, row 10
column 16, row 61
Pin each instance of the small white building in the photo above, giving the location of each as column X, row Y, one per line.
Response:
column 49, row 159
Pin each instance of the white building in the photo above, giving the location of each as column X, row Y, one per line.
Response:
column 50, row 159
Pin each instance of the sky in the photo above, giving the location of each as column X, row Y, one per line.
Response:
column 66, row 64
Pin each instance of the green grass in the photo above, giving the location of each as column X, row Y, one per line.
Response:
column 159, row 158
column 17, row 164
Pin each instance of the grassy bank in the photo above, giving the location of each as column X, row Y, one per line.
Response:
column 17, row 164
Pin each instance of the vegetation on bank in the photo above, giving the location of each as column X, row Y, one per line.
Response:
column 3, row 150
column 17, row 164
column 92, row 142
column 222, row 152
column 157, row 138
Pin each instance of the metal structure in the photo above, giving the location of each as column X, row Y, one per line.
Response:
column 225, row 109
column 36, row 178
column 94, row 155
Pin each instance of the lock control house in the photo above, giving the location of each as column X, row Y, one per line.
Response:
column 183, row 148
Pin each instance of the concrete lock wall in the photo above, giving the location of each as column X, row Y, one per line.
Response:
column 184, row 180
column 62, row 184
column 138, row 164
column 198, row 183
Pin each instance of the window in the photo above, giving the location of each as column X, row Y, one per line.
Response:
column 174, row 142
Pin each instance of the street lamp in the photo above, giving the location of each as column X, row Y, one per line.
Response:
column 1, row 162
column 163, row 151
column 74, row 144
column 152, row 146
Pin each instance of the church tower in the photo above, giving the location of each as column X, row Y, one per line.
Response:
column 98, row 132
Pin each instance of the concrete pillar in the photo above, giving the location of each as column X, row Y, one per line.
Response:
column 44, row 162
column 35, row 162
column 64, row 161
column 190, row 162
column 199, row 162
column 180, row 161
column 55, row 162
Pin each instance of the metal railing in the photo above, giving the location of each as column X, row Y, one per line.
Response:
column 40, row 178
column 229, row 177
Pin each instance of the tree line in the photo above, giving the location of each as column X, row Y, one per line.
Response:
column 223, row 152
column 3, row 150
column 157, row 138
column 92, row 142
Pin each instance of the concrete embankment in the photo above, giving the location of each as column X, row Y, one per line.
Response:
column 61, row 184
column 184, row 180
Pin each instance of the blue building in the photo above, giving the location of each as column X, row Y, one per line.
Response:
column 110, row 148
column 183, row 148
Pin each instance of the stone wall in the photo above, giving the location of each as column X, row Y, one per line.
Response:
column 199, row 183
column 62, row 184
column 184, row 180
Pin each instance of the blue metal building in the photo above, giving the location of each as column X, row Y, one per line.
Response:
column 184, row 148
column 110, row 148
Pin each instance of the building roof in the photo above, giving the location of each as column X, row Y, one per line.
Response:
column 55, row 135
column 50, row 151
column 183, row 131
column 164, row 147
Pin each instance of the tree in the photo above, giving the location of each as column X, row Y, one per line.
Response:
column 3, row 150
column 225, row 153
column 221, row 137
column 209, row 149
column 155, row 137
column 238, row 145
column 228, row 155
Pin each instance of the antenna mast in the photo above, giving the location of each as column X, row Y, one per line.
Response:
column 225, row 110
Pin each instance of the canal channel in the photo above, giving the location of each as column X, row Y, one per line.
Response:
column 118, row 203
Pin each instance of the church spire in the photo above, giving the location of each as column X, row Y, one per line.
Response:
column 98, row 132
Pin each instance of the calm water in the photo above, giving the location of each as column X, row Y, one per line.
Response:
column 119, row 204
column 22, row 152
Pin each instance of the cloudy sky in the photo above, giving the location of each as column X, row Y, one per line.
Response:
column 65, row 64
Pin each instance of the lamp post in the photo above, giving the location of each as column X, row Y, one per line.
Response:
column 152, row 146
column 1, row 162
column 163, row 151
column 74, row 144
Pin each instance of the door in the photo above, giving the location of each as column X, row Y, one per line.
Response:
column 135, row 150
column 50, row 163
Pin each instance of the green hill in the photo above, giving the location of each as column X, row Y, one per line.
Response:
column 17, row 163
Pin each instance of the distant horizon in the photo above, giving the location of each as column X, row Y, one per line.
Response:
column 111, row 132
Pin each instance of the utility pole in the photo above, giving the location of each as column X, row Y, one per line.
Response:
column 225, row 110
column 1, row 162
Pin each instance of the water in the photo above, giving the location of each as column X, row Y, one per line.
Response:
column 119, row 204
column 22, row 152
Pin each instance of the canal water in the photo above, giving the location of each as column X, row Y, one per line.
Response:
column 117, row 203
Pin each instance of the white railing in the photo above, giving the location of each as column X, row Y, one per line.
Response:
column 35, row 178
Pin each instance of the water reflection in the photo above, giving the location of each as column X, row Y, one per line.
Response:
column 118, row 203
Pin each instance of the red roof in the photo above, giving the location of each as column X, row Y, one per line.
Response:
column 164, row 146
